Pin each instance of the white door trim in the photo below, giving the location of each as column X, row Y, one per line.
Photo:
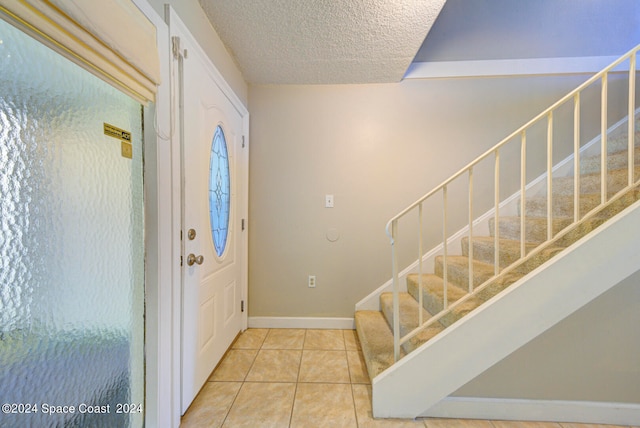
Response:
column 176, row 25
column 161, row 401
column 162, row 231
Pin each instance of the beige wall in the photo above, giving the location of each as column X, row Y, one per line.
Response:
column 590, row 356
column 376, row 148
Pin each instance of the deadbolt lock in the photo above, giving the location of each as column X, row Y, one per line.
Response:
column 191, row 234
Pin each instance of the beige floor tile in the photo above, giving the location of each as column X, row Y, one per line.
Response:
column 323, row 405
column 362, row 399
column 357, row 367
column 235, row 365
column 518, row 424
column 275, row 365
column 351, row 341
column 284, row 338
column 325, row 340
column 262, row 405
column 251, row 338
column 211, row 405
column 456, row 423
column 324, row 366
column 333, row 389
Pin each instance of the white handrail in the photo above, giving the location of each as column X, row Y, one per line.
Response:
column 392, row 225
column 513, row 134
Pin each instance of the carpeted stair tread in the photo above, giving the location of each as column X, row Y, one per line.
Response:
column 408, row 311
column 562, row 205
column 590, row 183
column 510, row 226
column 542, row 256
column 493, row 287
column 618, row 141
column 436, row 302
column 433, row 291
column 602, row 214
column 483, row 249
column 409, row 319
column 536, row 206
column 535, row 227
column 615, row 160
column 458, row 270
column 376, row 341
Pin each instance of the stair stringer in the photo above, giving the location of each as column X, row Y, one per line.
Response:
column 511, row 319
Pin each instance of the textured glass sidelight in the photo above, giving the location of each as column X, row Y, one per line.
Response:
column 71, row 244
column 219, row 191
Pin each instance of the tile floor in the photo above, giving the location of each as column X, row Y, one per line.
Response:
column 303, row 378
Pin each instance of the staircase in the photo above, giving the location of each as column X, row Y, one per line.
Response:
column 514, row 254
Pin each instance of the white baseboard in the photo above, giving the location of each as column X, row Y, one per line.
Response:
column 536, row 410
column 302, row 322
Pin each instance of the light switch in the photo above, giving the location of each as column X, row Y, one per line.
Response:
column 328, row 201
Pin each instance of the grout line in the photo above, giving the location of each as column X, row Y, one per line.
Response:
column 242, row 383
column 251, row 367
column 235, row 397
column 295, row 390
column 293, row 403
column 244, row 379
column 264, row 339
column 355, row 411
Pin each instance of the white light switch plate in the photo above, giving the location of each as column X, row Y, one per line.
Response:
column 328, row 201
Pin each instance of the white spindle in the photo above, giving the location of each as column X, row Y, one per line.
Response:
column 445, row 248
column 603, row 139
column 523, row 192
column 576, row 157
column 420, row 271
column 496, row 197
column 632, row 123
column 396, row 296
column 550, row 175
column 470, row 230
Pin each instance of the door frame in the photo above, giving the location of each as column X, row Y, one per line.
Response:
column 163, row 222
column 160, row 401
column 179, row 29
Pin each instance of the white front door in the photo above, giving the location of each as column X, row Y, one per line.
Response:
column 214, row 203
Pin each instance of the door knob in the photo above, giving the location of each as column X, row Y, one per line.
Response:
column 192, row 258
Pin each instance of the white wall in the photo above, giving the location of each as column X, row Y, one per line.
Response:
column 376, row 148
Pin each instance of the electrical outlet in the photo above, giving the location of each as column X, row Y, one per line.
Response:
column 312, row 281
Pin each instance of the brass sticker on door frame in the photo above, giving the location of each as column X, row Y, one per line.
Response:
column 126, row 150
column 115, row 132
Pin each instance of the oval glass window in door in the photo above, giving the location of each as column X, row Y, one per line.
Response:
column 219, row 191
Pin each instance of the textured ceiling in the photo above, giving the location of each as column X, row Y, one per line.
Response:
column 322, row 41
